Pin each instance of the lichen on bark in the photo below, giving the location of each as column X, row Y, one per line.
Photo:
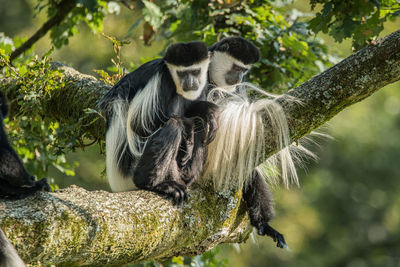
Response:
column 77, row 227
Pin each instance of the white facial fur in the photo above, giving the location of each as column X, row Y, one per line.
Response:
column 220, row 64
column 191, row 95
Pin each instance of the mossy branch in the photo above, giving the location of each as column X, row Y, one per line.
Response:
column 77, row 227
column 98, row 228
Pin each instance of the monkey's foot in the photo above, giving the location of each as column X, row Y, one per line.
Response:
column 13, row 192
column 266, row 229
column 173, row 191
column 42, row 185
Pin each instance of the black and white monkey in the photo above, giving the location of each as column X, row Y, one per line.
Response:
column 15, row 181
column 148, row 112
column 231, row 58
column 237, row 154
column 236, row 151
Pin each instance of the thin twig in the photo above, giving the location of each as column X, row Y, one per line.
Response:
column 63, row 10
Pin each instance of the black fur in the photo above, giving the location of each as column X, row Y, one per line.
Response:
column 15, row 181
column 134, row 82
column 126, row 89
column 158, row 169
column 3, row 105
column 259, row 201
column 257, row 195
column 175, row 155
column 193, row 154
column 239, row 48
column 186, row 54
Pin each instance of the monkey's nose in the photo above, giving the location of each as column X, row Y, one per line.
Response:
column 190, row 85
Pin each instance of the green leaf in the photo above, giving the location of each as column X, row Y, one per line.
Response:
column 395, row 14
column 91, row 5
column 376, row 3
column 152, row 14
column 327, row 9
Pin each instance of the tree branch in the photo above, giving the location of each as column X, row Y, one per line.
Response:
column 78, row 227
column 62, row 11
column 348, row 82
column 97, row 228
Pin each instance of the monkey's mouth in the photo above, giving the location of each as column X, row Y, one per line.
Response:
column 189, row 89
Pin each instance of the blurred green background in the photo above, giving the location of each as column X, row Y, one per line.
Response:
column 347, row 210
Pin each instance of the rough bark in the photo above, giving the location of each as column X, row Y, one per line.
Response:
column 76, row 227
column 97, row 228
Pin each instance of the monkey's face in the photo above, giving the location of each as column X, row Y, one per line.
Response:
column 190, row 81
column 226, row 71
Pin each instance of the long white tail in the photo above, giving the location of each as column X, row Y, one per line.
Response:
column 239, row 146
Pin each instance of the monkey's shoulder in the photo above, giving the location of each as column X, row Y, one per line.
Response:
column 136, row 80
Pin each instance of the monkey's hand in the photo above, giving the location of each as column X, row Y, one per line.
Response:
column 259, row 202
column 173, row 191
column 187, row 142
column 209, row 113
column 211, row 126
column 266, row 229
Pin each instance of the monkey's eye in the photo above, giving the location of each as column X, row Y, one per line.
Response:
column 182, row 74
column 195, row 72
column 239, row 69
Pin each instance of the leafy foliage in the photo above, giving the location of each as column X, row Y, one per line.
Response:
column 91, row 12
column 39, row 140
column 118, row 70
column 357, row 19
column 208, row 259
column 289, row 54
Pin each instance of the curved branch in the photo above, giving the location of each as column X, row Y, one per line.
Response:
column 96, row 228
column 78, row 227
column 348, row 82
column 63, row 10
